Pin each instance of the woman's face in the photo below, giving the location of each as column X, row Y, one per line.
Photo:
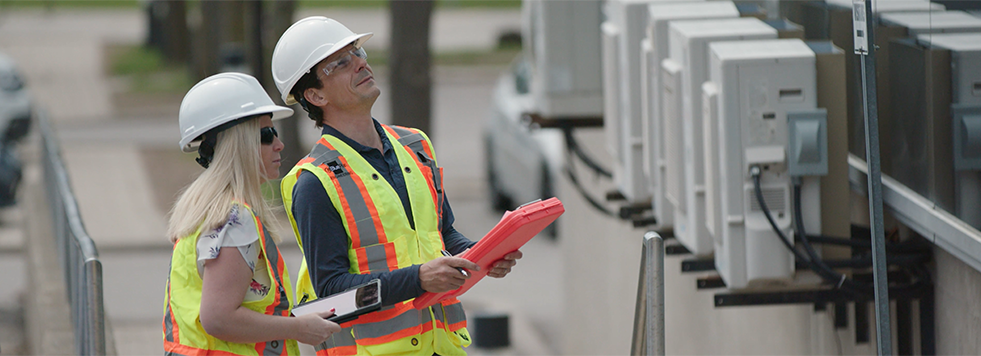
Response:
column 270, row 151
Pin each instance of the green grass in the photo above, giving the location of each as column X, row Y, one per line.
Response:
column 301, row 3
column 147, row 71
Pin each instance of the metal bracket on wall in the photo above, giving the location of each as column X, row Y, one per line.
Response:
column 922, row 215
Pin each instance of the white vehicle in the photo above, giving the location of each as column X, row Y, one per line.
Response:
column 521, row 161
column 15, row 104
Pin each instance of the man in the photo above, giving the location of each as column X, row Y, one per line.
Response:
column 368, row 202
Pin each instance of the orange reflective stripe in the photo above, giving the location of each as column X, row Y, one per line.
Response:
column 391, row 257
column 363, row 260
column 426, row 173
column 392, row 130
column 340, row 351
column 173, row 348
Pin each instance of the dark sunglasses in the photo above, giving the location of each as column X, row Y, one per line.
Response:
column 267, row 134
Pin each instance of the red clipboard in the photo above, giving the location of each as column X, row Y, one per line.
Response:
column 513, row 231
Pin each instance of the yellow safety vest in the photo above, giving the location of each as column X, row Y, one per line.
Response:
column 381, row 240
column 183, row 333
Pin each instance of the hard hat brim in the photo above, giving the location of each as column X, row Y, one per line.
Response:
column 277, row 112
column 357, row 39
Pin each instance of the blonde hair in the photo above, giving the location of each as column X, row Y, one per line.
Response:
column 234, row 176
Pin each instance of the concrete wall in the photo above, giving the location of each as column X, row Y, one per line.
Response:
column 958, row 306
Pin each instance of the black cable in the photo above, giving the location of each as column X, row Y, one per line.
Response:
column 825, row 273
column 575, row 183
column 573, row 146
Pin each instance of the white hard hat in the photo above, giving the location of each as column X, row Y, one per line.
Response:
column 303, row 45
column 222, row 98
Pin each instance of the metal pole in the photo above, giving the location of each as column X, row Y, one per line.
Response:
column 654, row 248
column 96, row 314
column 648, row 338
column 883, row 324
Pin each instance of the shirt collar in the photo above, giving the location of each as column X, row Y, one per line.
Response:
column 386, row 145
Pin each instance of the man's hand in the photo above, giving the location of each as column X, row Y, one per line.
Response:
column 502, row 267
column 440, row 275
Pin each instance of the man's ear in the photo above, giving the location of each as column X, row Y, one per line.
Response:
column 314, row 97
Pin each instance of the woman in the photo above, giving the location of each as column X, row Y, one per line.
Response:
column 228, row 291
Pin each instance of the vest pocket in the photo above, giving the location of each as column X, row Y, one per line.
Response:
column 378, row 257
column 454, row 323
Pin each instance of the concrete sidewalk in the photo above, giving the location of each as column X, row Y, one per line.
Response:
column 126, row 170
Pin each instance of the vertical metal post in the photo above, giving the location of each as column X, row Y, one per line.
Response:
column 863, row 15
column 648, row 336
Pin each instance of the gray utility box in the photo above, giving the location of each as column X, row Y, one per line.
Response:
column 840, row 32
column 936, row 146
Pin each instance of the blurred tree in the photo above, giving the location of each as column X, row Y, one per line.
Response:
column 409, row 63
column 206, row 39
column 281, row 18
column 175, row 39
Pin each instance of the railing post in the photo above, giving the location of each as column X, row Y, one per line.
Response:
column 77, row 252
column 648, row 338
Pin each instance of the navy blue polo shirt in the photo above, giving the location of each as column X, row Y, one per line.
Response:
column 325, row 243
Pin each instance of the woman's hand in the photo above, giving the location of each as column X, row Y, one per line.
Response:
column 315, row 328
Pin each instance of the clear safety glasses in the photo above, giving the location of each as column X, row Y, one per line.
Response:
column 345, row 60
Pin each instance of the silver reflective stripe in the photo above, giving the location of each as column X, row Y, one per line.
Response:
column 171, row 353
column 322, row 154
column 275, row 347
column 402, row 132
column 437, row 312
column 454, row 313
column 168, row 324
column 364, row 222
column 408, row 319
column 410, row 138
column 377, row 261
column 339, row 339
column 272, row 258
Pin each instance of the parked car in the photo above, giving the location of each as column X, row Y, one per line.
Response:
column 15, row 103
column 15, row 122
column 522, row 161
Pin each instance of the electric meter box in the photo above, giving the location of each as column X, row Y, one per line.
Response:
column 628, row 20
column 655, row 50
column 938, row 120
column 759, row 86
column 562, row 40
column 689, row 46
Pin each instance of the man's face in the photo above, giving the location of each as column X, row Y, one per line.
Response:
column 348, row 79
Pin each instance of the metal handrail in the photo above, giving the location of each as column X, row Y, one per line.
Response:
column 648, row 336
column 78, row 255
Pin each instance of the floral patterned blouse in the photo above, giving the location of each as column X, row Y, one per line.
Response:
column 239, row 231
